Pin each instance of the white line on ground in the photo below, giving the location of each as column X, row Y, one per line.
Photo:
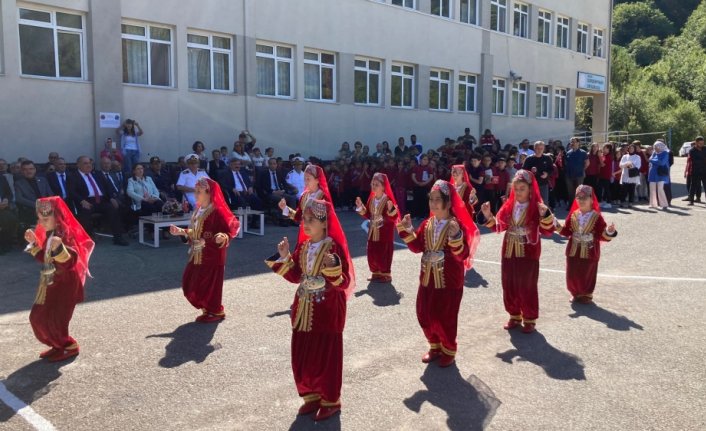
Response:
column 25, row 411
column 364, row 226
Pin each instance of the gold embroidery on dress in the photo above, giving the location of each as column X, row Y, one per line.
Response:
column 516, row 236
column 195, row 230
column 582, row 237
column 376, row 217
column 433, row 257
column 46, row 275
column 312, row 287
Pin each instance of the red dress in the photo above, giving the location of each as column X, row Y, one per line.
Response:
column 56, row 298
column 202, row 281
column 318, row 318
column 464, row 192
column 381, row 235
column 440, row 282
column 583, row 251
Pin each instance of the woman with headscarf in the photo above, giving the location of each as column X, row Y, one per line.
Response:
column 630, row 163
column 524, row 218
column 448, row 240
column 322, row 267
column 63, row 248
column 210, row 231
column 464, row 188
column 585, row 228
column 658, row 175
column 315, row 188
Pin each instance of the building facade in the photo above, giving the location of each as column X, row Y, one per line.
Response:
column 301, row 75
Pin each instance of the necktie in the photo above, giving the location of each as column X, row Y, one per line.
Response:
column 107, row 177
column 274, row 181
column 240, row 180
column 96, row 193
column 62, row 183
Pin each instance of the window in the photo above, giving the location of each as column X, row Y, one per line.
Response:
column 469, row 11
column 467, row 85
column 404, row 3
column 439, row 94
column 542, row 101
column 402, row 85
column 597, row 42
column 51, row 44
column 498, row 96
column 582, row 38
column 519, row 99
column 498, row 15
column 209, row 62
column 274, row 70
column 367, row 81
column 520, row 21
column 562, row 32
column 560, row 108
column 147, row 55
column 441, row 8
column 319, row 76
column 544, row 27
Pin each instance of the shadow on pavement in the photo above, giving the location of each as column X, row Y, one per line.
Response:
column 189, row 342
column 536, row 349
column 612, row 320
column 280, row 313
column 32, row 382
column 307, row 423
column 383, row 294
column 469, row 404
column 474, row 279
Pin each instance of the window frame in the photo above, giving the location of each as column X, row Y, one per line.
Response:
column 582, row 36
column 521, row 9
column 517, row 89
column 463, row 81
column 403, row 4
column 368, row 71
column 544, row 23
column 230, row 52
column 148, row 39
column 563, row 28
column 321, row 65
column 439, row 83
column 403, row 76
column 542, row 93
column 561, row 100
column 501, row 24
column 598, row 48
column 56, row 29
column 497, row 89
column 448, row 10
column 277, row 59
column 473, row 11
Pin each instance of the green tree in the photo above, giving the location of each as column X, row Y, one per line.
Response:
column 639, row 20
column 646, row 51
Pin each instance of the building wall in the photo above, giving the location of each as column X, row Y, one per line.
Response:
column 41, row 115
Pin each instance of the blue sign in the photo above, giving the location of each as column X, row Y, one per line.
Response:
column 589, row 81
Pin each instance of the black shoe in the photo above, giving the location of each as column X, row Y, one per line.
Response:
column 690, row 204
column 685, row 199
column 119, row 240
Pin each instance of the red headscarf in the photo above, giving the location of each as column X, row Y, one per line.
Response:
column 583, row 191
column 318, row 173
column 504, row 217
column 379, row 176
column 69, row 230
column 471, row 235
column 220, row 206
column 466, row 179
column 335, row 232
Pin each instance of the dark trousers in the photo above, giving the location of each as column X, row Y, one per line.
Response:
column 697, row 182
column 421, row 201
column 628, row 192
column 603, row 190
column 104, row 208
column 245, row 200
column 147, row 208
column 8, row 227
column 571, row 185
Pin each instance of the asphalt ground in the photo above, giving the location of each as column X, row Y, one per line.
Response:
column 632, row 361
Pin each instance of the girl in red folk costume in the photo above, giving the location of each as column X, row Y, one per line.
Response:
column 523, row 217
column 448, row 240
column 384, row 216
column 464, row 188
column 316, row 187
column 585, row 229
column 64, row 248
column 212, row 227
column 323, row 268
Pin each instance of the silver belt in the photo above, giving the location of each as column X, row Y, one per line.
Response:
column 312, row 284
column 583, row 238
column 520, row 233
column 433, row 257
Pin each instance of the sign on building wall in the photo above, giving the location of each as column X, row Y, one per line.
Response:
column 589, row 81
column 109, row 120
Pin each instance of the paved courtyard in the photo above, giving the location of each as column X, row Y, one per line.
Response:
column 633, row 361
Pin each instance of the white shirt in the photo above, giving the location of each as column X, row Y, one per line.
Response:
column 244, row 157
column 274, row 181
column 189, row 179
column 238, row 181
column 258, row 161
column 90, row 186
column 518, row 210
column 129, row 142
column 296, row 179
column 61, row 176
column 584, row 218
column 311, row 255
column 438, row 227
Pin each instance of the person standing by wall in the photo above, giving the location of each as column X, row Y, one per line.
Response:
column 129, row 132
column 576, row 162
column 697, row 157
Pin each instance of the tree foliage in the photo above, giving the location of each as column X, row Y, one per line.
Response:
column 638, row 21
column 646, row 51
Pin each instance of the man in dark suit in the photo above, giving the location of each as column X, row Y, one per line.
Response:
column 216, row 167
column 28, row 189
column 8, row 217
column 161, row 178
column 271, row 188
column 57, row 179
column 238, row 189
column 89, row 197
